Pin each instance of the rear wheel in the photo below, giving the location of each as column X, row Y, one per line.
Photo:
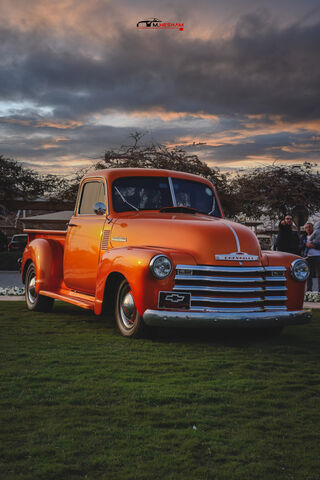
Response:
column 36, row 302
column 129, row 321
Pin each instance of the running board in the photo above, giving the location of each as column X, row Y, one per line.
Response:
column 78, row 301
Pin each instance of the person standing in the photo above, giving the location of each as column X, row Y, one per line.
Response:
column 310, row 243
column 287, row 240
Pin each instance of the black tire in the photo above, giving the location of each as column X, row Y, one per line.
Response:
column 34, row 301
column 129, row 321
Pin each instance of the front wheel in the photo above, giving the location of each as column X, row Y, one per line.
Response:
column 34, row 301
column 129, row 321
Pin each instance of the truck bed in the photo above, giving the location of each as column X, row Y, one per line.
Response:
column 58, row 235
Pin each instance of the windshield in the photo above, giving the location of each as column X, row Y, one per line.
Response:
column 195, row 195
column 154, row 193
column 141, row 193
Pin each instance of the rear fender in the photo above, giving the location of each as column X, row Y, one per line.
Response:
column 47, row 256
column 133, row 264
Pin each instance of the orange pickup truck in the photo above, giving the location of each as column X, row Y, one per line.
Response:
column 153, row 247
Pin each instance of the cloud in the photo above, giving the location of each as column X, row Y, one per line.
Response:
column 247, row 85
column 261, row 68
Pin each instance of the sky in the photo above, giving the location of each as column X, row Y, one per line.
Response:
column 239, row 86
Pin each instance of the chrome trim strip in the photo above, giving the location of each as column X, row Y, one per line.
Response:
column 196, row 288
column 234, row 234
column 220, row 279
column 275, row 279
column 226, row 309
column 265, row 308
column 275, row 289
column 227, row 300
column 275, row 269
column 119, row 239
column 208, row 268
column 274, row 307
column 173, row 195
column 214, row 268
column 276, row 298
column 225, row 319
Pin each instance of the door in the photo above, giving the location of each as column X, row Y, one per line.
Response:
column 82, row 248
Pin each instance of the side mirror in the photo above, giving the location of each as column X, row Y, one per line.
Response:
column 99, row 208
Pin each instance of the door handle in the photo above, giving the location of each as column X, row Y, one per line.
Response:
column 73, row 225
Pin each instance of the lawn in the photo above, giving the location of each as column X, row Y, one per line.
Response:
column 78, row 401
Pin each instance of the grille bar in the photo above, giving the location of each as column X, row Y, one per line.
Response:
column 209, row 268
column 199, row 288
column 220, row 279
column 276, row 298
column 226, row 300
column 275, row 279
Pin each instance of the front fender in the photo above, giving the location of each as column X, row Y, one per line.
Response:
column 295, row 289
column 133, row 264
column 47, row 256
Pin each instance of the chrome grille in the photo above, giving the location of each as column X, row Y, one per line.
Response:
column 228, row 289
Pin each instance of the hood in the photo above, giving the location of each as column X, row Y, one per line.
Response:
column 208, row 239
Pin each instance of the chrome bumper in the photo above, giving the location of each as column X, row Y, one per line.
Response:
column 163, row 318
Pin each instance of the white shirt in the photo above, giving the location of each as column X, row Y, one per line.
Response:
column 312, row 252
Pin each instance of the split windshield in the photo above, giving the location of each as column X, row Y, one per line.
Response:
column 154, row 193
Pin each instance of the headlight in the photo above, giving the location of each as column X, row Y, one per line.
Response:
column 160, row 266
column 299, row 270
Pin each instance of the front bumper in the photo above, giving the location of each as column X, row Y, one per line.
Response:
column 162, row 318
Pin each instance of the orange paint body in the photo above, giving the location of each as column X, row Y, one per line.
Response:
column 76, row 265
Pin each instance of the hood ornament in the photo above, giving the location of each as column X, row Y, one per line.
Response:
column 238, row 257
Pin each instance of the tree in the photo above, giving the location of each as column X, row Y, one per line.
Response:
column 21, row 183
column 277, row 189
column 16, row 181
column 162, row 157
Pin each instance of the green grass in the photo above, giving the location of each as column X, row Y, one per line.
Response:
column 78, row 401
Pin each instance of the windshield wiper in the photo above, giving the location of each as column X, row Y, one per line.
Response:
column 179, row 209
column 125, row 201
column 213, row 206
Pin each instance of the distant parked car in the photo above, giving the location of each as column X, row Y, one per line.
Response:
column 18, row 243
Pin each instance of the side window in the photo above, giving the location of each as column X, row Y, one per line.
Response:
column 92, row 192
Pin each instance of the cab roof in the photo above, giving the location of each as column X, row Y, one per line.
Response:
column 112, row 173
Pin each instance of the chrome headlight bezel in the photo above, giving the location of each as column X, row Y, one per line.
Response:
column 299, row 270
column 160, row 266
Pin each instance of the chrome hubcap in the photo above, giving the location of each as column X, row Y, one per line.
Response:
column 127, row 309
column 32, row 289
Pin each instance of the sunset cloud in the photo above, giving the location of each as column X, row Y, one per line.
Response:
column 239, row 84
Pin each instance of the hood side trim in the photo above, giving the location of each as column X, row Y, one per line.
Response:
column 234, row 234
